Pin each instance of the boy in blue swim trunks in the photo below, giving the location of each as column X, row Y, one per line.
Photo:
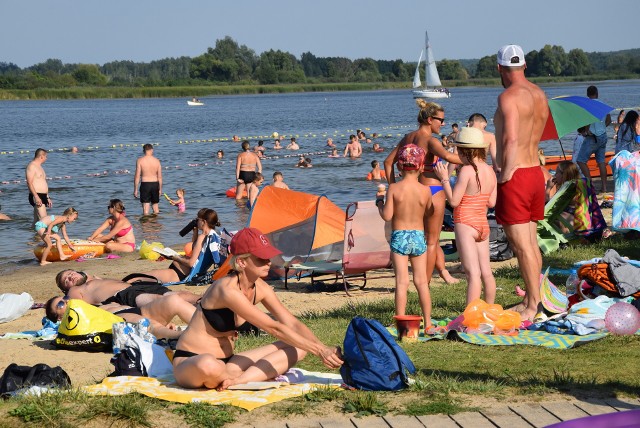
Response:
column 405, row 207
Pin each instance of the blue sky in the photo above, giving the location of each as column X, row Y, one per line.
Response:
column 84, row 31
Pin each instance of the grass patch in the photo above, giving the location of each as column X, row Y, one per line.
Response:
column 364, row 403
column 432, row 404
column 205, row 415
column 132, row 409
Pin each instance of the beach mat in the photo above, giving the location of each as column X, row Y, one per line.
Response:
column 166, row 389
column 524, row 337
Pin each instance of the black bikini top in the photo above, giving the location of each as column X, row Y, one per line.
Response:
column 223, row 319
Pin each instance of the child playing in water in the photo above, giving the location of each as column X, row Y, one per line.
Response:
column 278, row 181
column 178, row 202
column 376, row 173
column 475, row 191
column 334, row 153
column 405, row 207
column 255, row 189
column 49, row 226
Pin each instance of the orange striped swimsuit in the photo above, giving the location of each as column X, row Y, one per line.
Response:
column 472, row 211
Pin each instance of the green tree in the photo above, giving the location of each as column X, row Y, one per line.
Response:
column 577, row 63
column 340, row 69
column 551, row 60
column 278, row 67
column 451, row 70
column 89, row 74
column 531, row 59
column 366, row 70
column 487, row 67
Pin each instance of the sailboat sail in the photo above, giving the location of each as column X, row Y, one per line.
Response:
column 416, row 77
column 433, row 79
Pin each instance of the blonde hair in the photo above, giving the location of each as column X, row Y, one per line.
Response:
column 69, row 211
column 181, row 190
column 233, row 262
column 427, row 110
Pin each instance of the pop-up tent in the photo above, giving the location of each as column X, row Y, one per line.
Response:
column 304, row 227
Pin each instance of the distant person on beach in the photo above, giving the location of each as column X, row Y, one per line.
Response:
column 519, row 121
column 619, row 121
column 276, row 144
column 179, row 203
column 406, row 204
column 247, row 164
column 330, row 142
column 74, row 149
column 376, row 148
column 595, row 142
column 308, row 163
column 148, row 176
column 255, row 189
column 453, row 134
column 37, row 183
column 353, row 148
column 120, row 237
column 430, row 120
column 160, row 312
column 334, row 153
column 376, row 173
column 578, row 142
column 51, row 227
column 478, row 121
column 3, row 217
column 474, row 192
column 235, row 139
column 220, row 154
column 204, row 234
column 293, row 145
column 205, row 355
column 278, row 181
column 102, row 291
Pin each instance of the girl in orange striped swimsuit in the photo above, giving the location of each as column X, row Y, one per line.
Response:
column 474, row 192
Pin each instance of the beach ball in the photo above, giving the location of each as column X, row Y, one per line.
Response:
column 622, row 319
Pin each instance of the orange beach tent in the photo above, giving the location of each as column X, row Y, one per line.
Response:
column 304, row 227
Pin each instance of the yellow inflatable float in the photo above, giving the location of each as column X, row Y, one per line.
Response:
column 83, row 248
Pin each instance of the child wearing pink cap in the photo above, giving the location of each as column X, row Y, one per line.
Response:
column 406, row 204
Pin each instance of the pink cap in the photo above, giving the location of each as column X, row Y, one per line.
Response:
column 411, row 157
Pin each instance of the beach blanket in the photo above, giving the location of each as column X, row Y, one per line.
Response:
column 165, row 388
column 626, row 199
column 49, row 331
column 587, row 217
column 524, row 337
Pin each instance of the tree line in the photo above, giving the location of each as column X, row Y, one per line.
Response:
column 229, row 63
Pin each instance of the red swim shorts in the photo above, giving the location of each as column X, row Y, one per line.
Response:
column 521, row 199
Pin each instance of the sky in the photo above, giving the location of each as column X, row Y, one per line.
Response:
column 92, row 32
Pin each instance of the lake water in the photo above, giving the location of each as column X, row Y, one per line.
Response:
column 110, row 133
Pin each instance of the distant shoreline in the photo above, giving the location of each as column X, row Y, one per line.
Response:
column 119, row 92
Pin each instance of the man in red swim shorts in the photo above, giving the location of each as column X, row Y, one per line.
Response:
column 519, row 121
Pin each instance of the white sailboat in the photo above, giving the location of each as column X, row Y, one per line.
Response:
column 433, row 87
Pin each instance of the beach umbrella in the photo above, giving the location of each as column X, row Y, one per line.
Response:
column 568, row 113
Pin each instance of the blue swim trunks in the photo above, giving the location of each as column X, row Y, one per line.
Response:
column 408, row 242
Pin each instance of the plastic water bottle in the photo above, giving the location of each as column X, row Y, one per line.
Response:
column 572, row 283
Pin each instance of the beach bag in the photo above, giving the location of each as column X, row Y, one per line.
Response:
column 128, row 362
column 373, row 361
column 16, row 377
column 86, row 328
column 499, row 248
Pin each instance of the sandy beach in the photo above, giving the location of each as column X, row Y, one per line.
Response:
column 85, row 367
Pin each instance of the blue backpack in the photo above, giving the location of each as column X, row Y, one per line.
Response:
column 373, row 360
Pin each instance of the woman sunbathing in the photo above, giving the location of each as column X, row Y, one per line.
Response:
column 205, row 354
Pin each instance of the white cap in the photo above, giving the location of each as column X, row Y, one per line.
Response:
column 511, row 56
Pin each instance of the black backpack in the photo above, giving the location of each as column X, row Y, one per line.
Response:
column 499, row 248
column 128, row 362
column 16, row 377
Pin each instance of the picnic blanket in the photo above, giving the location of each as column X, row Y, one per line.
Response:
column 524, row 337
column 165, row 388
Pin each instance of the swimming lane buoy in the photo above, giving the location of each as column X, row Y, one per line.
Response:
column 83, row 248
column 231, row 192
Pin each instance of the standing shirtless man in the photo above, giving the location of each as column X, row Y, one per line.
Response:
column 149, row 177
column 519, row 121
column 38, row 187
column 354, row 148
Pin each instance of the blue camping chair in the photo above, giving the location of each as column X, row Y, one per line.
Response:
column 213, row 253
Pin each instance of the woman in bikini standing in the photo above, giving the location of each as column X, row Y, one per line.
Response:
column 205, row 356
column 247, row 164
column 430, row 119
column 120, row 237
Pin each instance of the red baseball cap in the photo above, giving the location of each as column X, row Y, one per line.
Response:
column 250, row 240
column 410, row 157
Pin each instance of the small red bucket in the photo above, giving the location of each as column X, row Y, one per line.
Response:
column 408, row 326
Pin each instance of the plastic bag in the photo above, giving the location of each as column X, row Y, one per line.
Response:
column 13, row 306
column 146, row 250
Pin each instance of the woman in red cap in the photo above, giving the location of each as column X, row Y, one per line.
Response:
column 204, row 355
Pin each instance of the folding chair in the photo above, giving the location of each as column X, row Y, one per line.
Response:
column 550, row 234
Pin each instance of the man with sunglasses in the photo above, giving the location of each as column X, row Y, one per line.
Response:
column 99, row 291
column 519, row 121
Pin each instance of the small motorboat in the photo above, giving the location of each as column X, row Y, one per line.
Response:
column 195, row 102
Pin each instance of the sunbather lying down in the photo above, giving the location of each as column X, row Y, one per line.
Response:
column 160, row 312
